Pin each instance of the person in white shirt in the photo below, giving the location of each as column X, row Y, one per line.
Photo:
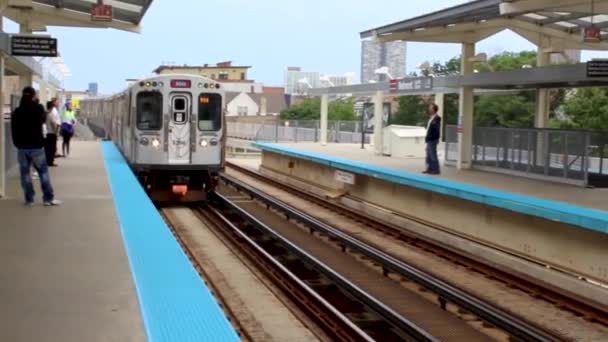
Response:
column 53, row 125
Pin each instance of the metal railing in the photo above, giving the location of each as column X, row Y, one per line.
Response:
column 573, row 156
column 297, row 131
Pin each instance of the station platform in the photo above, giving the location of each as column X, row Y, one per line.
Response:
column 590, row 198
column 503, row 219
column 103, row 266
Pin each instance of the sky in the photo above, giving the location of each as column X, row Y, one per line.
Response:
column 268, row 35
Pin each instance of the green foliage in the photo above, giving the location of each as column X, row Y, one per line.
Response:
column 508, row 61
column 450, row 109
column 587, row 108
column 504, row 111
column 412, row 112
column 310, row 109
column 343, row 109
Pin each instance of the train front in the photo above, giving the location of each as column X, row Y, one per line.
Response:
column 180, row 134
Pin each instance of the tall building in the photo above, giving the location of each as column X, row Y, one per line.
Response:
column 297, row 82
column 376, row 54
column 93, row 89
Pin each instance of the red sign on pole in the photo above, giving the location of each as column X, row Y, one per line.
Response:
column 592, row 35
column 101, row 12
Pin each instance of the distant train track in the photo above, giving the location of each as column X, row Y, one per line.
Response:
column 589, row 311
column 317, row 289
column 511, row 324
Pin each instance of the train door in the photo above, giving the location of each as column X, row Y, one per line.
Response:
column 179, row 129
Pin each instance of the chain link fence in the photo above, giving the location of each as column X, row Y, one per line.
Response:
column 569, row 155
column 297, row 131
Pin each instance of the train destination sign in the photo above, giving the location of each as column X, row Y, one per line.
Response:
column 33, row 46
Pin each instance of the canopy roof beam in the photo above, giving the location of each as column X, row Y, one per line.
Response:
column 561, row 20
column 41, row 16
column 521, row 6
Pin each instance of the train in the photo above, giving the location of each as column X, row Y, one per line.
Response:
column 171, row 130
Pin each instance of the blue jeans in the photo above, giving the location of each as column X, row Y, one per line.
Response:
column 432, row 161
column 36, row 157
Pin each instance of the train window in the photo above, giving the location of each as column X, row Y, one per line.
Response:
column 209, row 112
column 179, row 104
column 149, row 111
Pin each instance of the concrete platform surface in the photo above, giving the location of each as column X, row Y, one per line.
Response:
column 64, row 271
column 591, row 198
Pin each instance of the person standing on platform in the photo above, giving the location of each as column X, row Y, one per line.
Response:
column 67, row 128
column 433, row 133
column 26, row 128
column 53, row 124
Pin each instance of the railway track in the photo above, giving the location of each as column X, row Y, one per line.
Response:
column 590, row 311
column 514, row 326
column 343, row 310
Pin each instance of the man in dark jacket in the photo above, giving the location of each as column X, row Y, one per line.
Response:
column 433, row 133
column 26, row 127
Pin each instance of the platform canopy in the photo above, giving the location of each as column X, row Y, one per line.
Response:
column 550, row 24
column 36, row 15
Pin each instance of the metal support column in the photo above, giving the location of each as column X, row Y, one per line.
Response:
column 465, row 112
column 542, row 95
column 378, row 122
column 541, row 119
column 324, row 115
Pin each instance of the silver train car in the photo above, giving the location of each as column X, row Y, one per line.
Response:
column 170, row 128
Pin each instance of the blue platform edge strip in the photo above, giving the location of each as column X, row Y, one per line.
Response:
column 596, row 220
column 175, row 303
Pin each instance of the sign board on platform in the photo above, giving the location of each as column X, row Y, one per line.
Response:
column 592, row 35
column 345, row 177
column 411, row 84
column 101, row 12
column 22, row 45
column 597, row 68
column 369, row 116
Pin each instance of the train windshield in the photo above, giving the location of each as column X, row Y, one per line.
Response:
column 149, row 111
column 209, row 112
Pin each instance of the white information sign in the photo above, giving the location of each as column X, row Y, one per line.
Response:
column 345, row 177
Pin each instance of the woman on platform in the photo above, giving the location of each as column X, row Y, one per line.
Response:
column 67, row 128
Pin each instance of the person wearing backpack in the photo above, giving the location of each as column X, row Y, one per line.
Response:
column 26, row 128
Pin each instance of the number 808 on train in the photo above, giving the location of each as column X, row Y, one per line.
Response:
column 171, row 129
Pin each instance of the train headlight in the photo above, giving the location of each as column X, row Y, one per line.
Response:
column 213, row 142
column 204, row 143
column 155, row 143
column 144, row 141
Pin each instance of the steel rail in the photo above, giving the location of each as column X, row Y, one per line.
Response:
column 410, row 328
column 490, row 313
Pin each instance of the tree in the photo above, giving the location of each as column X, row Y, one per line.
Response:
column 504, row 111
column 412, row 111
column 310, row 109
column 587, row 108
